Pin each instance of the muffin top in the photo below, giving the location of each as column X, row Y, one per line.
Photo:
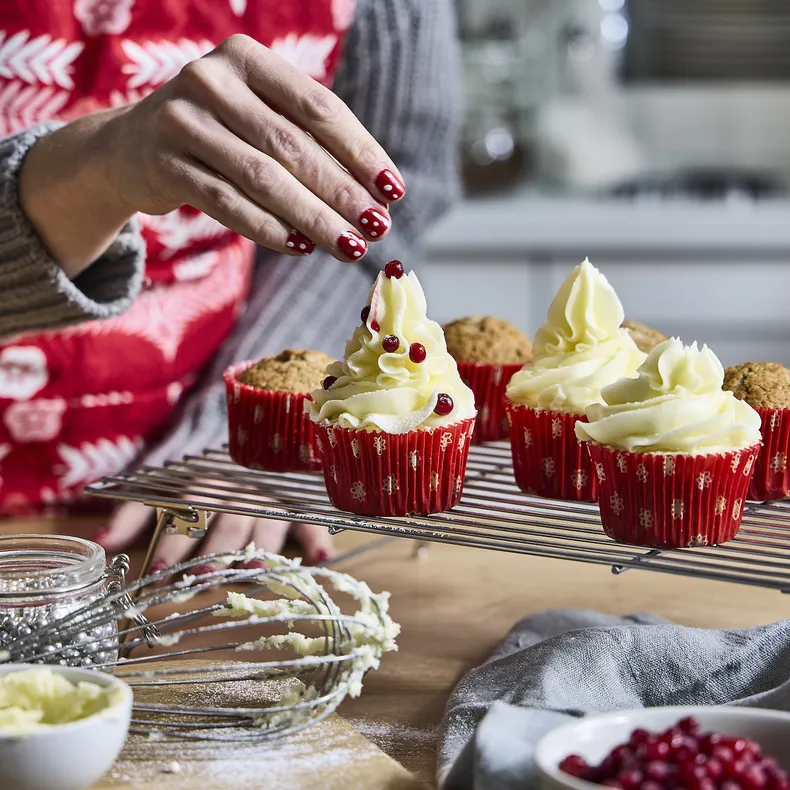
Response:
column 487, row 339
column 763, row 385
column 645, row 337
column 291, row 370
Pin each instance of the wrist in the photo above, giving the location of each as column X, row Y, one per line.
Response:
column 67, row 193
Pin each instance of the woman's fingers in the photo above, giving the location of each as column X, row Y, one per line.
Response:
column 244, row 116
column 316, row 542
column 127, row 523
column 203, row 189
column 270, row 186
column 316, row 109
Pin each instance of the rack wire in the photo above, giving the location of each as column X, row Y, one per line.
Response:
column 493, row 514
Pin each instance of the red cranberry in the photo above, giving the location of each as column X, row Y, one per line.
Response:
column 417, row 352
column 630, row 778
column 657, row 771
column 394, row 269
column 390, row 343
column 714, row 769
column 620, row 753
column 754, row 778
column 638, row 737
column 365, row 313
column 735, row 769
column 657, row 750
column 374, row 325
column 651, row 786
column 689, row 725
column 575, row 765
column 728, row 784
column 724, row 754
column 329, row 381
column 444, row 404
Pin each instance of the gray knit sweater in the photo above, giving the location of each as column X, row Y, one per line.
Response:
column 400, row 75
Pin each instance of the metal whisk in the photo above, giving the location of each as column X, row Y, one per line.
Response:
column 313, row 654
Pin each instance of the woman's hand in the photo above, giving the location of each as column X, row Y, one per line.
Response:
column 239, row 134
column 227, row 532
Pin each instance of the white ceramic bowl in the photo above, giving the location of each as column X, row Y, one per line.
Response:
column 67, row 756
column 593, row 737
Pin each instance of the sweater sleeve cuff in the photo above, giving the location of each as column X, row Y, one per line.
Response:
column 35, row 293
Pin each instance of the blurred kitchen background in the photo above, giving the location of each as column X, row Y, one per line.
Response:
column 652, row 136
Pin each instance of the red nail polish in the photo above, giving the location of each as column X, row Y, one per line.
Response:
column 201, row 570
column 390, row 185
column 374, row 223
column 157, row 566
column 252, row 565
column 300, row 243
column 322, row 555
column 352, row 245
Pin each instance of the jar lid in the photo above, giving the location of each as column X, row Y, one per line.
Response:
column 48, row 565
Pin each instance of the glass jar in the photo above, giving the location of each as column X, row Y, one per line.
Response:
column 44, row 578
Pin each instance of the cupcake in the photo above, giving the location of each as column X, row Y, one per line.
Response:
column 645, row 337
column 268, row 428
column 673, row 452
column 394, row 418
column 580, row 349
column 765, row 386
column 488, row 352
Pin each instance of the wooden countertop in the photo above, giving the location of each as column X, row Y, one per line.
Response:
column 456, row 603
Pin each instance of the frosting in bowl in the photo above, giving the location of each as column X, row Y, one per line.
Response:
column 580, row 349
column 382, row 390
column 676, row 404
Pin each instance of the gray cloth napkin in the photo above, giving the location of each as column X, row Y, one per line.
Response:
column 562, row 664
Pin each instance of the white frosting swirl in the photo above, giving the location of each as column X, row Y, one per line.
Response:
column 675, row 405
column 386, row 391
column 580, row 349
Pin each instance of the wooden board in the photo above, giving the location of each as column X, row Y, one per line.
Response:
column 330, row 755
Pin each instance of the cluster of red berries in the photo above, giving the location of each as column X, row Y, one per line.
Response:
column 391, row 343
column 682, row 758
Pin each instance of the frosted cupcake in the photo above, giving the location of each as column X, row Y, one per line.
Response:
column 394, row 418
column 673, row 452
column 267, row 426
column 579, row 350
column 765, row 386
column 488, row 351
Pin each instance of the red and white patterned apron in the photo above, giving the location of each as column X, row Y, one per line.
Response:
column 81, row 403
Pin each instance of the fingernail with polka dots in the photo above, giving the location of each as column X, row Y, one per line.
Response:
column 352, row 245
column 374, row 223
column 390, row 186
column 299, row 243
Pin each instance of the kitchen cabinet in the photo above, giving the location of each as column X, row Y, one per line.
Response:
column 711, row 281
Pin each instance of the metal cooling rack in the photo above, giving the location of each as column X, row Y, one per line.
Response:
column 493, row 514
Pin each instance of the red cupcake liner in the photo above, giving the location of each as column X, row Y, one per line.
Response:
column 672, row 501
column 488, row 383
column 269, row 430
column 548, row 459
column 771, row 471
column 382, row 474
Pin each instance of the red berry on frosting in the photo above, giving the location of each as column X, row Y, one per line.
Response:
column 417, row 352
column 365, row 314
column 394, row 269
column 329, row 381
column 390, row 343
column 374, row 325
column 444, row 404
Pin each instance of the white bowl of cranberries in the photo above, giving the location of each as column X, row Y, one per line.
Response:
column 711, row 748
